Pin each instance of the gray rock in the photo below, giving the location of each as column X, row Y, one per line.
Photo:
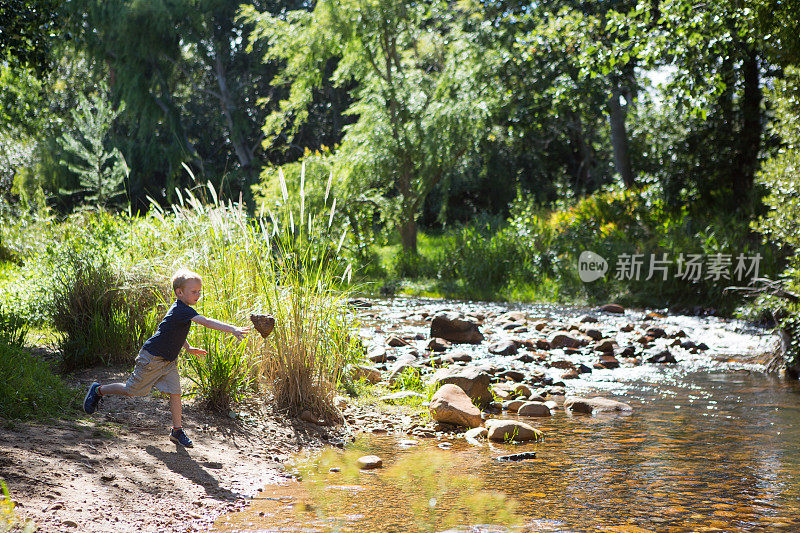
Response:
column 369, row 462
column 503, row 347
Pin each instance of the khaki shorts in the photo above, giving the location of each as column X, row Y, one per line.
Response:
column 153, row 371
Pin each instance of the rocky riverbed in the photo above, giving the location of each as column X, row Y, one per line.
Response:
column 602, row 419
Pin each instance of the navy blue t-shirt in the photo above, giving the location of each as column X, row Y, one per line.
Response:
column 172, row 332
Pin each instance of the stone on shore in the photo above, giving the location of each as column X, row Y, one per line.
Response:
column 371, row 374
column 438, row 345
column 473, row 381
column 455, row 328
column 450, row 404
column 595, row 405
column 506, row 430
column 612, row 308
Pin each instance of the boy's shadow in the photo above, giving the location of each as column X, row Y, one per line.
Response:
column 184, row 464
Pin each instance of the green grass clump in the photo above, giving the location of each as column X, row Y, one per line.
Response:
column 103, row 318
column 9, row 519
column 29, row 388
column 223, row 375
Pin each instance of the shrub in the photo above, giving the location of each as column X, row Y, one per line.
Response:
column 29, row 388
column 103, row 317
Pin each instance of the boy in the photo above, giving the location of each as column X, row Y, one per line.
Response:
column 156, row 364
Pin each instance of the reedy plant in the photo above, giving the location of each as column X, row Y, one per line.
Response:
column 284, row 262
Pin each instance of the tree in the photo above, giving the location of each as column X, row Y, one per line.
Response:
column 102, row 172
column 410, row 71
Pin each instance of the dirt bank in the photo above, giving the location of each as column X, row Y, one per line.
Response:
column 118, row 471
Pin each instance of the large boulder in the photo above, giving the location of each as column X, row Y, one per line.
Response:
column 595, row 405
column 507, row 430
column 450, row 404
column 456, row 328
column 473, row 381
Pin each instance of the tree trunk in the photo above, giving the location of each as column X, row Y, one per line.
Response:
column 408, row 235
column 752, row 127
column 619, row 137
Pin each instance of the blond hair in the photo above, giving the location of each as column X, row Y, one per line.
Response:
column 183, row 275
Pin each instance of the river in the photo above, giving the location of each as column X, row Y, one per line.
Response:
column 712, row 445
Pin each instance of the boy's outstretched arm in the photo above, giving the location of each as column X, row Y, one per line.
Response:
column 239, row 333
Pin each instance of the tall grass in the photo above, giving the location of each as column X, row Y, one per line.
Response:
column 283, row 262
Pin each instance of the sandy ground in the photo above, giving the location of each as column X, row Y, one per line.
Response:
column 118, row 471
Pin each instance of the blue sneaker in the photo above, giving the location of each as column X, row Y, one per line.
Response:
column 179, row 437
column 92, row 399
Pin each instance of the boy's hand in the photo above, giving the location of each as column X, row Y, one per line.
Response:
column 239, row 333
column 196, row 351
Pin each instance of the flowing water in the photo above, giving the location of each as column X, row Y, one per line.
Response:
column 712, row 444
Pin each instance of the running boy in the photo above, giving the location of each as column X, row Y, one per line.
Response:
column 156, row 364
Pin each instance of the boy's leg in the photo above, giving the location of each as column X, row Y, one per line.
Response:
column 114, row 389
column 175, row 409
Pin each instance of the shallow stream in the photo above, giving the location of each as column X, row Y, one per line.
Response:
column 713, row 444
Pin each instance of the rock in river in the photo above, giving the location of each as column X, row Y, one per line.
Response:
column 505, row 430
column 454, row 327
column 533, row 409
column 563, row 339
column 595, row 405
column 451, row 404
column 473, row 381
column 368, row 462
column 503, row 347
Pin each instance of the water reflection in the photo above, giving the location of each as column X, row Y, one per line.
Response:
column 711, row 451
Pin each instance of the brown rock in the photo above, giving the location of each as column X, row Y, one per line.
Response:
column 369, row 462
column 542, row 344
column 563, row 339
column 455, row 328
column 606, row 345
column 612, row 308
column 609, row 361
column 450, row 404
column 504, row 430
column 570, row 374
column 473, row 381
column 595, row 405
column 562, row 364
column 533, row 409
column 396, row 342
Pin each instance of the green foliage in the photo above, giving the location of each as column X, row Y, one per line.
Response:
column 13, row 329
column 417, row 107
column 103, row 316
column 102, row 173
column 223, row 375
column 779, row 173
column 29, row 388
